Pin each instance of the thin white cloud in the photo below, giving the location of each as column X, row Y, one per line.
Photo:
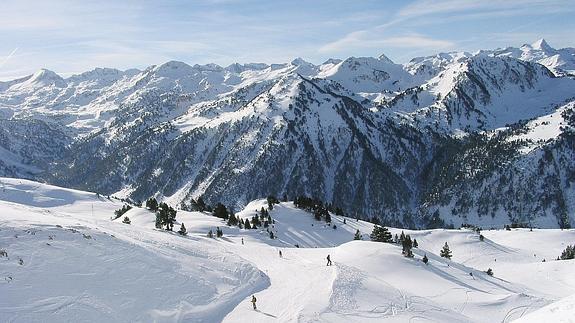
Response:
column 369, row 39
column 7, row 58
column 432, row 7
column 417, row 41
column 429, row 12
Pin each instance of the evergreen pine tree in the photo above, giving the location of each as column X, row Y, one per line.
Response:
column 183, row 230
column 171, row 217
column 152, row 204
column 380, row 234
column 407, row 244
column 357, row 235
column 232, row 220
column 568, row 253
column 201, row 205
column 158, row 221
column 210, row 234
column 165, row 216
column 272, row 235
column 220, row 211
column 118, row 213
column 255, row 222
column 425, row 260
column 489, row 272
column 247, row 224
column 445, row 252
column 415, row 245
column 126, row 220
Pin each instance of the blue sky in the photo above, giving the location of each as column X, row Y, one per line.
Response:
column 74, row 36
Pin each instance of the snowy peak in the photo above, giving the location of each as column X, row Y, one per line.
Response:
column 303, row 67
column 101, row 76
column 332, row 61
column 209, row 67
column 541, row 44
column 239, row 68
column 45, row 77
column 560, row 61
column 173, row 69
column 427, row 67
column 298, row 61
column 385, row 59
column 366, row 74
column 483, row 92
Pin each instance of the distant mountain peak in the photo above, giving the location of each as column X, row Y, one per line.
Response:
column 541, row 44
column 175, row 64
column 298, row 61
column 385, row 59
column 46, row 77
column 333, row 61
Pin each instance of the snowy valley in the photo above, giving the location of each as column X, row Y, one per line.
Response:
column 65, row 260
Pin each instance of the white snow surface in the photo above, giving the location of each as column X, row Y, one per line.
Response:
column 542, row 129
column 67, row 261
column 559, row 312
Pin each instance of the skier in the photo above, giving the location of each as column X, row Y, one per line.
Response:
column 254, row 302
column 280, row 254
column 328, row 261
column 242, row 241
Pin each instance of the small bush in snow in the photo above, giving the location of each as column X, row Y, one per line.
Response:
column 118, row 213
column 445, row 252
column 568, row 253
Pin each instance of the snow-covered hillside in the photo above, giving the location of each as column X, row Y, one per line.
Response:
column 375, row 138
column 560, row 312
column 66, row 260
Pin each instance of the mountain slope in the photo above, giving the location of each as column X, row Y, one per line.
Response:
column 55, row 236
column 364, row 134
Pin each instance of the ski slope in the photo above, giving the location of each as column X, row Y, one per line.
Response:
column 78, row 265
column 558, row 312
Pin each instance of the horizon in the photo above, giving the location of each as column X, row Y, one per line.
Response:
column 70, row 38
column 71, row 74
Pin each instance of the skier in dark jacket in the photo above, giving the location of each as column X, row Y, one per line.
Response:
column 254, row 302
column 328, row 261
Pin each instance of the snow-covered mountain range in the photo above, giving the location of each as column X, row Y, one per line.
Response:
column 484, row 138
